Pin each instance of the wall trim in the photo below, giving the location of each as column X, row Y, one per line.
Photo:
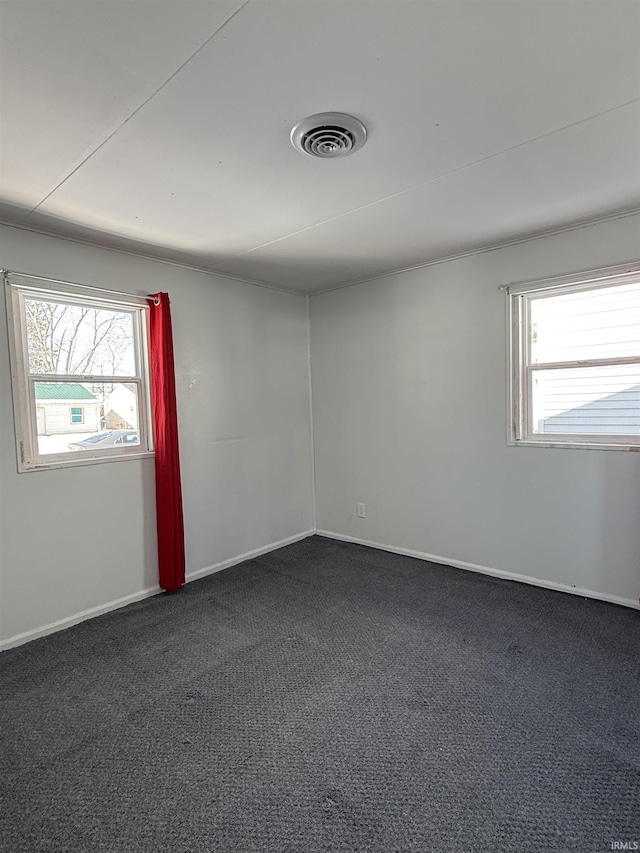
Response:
column 257, row 552
column 69, row 621
column 147, row 256
column 481, row 250
column 485, row 570
column 116, row 604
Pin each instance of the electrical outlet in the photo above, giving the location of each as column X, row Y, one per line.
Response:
column 360, row 510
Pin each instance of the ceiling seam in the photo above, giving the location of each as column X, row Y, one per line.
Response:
column 138, row 108
column 434, row 179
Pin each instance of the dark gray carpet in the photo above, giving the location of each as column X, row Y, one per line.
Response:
column 328, row 697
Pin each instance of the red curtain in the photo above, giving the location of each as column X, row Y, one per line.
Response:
column 171, row 562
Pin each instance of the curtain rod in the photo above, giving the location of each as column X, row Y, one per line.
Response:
column 599, row 274
column 6, row 273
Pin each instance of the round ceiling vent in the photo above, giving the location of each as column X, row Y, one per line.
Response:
column 328, row 135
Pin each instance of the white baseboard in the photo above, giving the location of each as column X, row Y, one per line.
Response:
column 67, row 622
column 484, row 570
column 257, row 552
column 61, row 624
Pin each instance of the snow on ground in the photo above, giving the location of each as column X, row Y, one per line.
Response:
column 60, row 443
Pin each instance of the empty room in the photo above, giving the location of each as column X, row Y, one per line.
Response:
column 319, row 426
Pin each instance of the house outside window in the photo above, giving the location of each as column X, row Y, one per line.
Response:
column 79, row 358
column 575, row 361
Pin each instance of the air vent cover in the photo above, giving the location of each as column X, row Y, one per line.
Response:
column 328, row 135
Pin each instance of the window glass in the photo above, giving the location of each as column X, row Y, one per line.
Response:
column 575, row 362
column 109, row 412
column 77, row 339
column 587, row 401
column 602, row 323
column 81, row 373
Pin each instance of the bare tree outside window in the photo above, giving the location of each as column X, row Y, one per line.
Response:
column 70, row 339
column 75, row 340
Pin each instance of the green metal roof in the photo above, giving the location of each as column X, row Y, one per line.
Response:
column 62, row 391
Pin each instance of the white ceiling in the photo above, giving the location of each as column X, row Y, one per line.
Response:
column 163, row 127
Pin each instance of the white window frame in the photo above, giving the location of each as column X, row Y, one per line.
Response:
column 20, row 286
column 519, row 297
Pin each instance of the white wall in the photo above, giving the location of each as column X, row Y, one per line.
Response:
column 243, row 407
column 409, row 417
column 409, row 378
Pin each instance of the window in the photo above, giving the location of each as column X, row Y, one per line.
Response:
column 79, row 371
column 575, row 361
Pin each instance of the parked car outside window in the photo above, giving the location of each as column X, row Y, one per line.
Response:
column 128, row 437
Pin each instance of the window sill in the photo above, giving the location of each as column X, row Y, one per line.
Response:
column 573, row 445
column 24, row 468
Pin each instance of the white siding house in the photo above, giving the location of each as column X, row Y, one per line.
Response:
column 66, row 408
column 611, row 414
column 121, row 409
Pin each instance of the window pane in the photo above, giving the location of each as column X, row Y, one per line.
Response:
column 69, row 339
column 601, row 323
column 587, row 400
column 80, row 416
